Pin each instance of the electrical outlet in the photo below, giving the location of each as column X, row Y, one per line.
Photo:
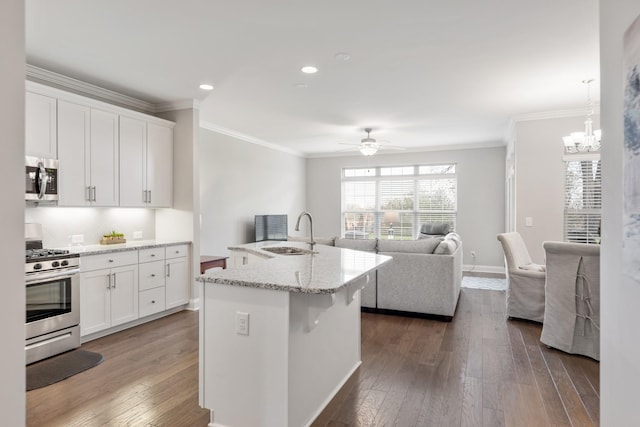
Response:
column 242, row 323
column 77, row 239
column 473, row 254
column 137, row 234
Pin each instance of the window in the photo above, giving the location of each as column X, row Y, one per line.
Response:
column 583, row 199
column 393, row 202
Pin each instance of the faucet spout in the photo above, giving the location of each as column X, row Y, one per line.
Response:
column 307, row 214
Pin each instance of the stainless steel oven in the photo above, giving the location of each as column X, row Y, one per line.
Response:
column 52, row 280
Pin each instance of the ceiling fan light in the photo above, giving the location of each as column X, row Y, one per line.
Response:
column 368, row 150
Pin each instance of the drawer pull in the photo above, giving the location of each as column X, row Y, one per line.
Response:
column 152, row 255
column 110, row 260
column 153, row 275
column 153, row 301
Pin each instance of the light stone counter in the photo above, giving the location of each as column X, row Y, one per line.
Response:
column 325, row 271
column 120, row 247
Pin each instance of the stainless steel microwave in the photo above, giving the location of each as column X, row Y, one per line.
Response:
column 41, row 179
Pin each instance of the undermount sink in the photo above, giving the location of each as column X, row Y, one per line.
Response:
column 288, row 250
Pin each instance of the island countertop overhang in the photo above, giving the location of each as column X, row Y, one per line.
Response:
column 326, row 271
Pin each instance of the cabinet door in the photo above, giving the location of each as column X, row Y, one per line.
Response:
column 133, row 137
column 104, row 158
column 159, row 172
column 95, row 304
column 73, row 133
column 40, row 126
column 124, row 294
column 177, row 282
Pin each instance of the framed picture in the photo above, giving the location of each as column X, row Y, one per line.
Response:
column 631, row 186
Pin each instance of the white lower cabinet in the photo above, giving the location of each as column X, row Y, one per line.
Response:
column 108, row 297
column 121, row 287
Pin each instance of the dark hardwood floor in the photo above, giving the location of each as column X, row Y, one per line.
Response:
column 478, row 370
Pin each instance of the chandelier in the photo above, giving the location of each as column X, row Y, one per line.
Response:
column 589, row 140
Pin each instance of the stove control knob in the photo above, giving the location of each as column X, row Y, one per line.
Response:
column 37, row 266
column 65, row 262
column 55, row 264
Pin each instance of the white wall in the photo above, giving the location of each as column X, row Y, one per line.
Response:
column 540, row 179
column 239, row 180
column 620, row 337
column 481, row 198
column 59, row 223
column 12, row 395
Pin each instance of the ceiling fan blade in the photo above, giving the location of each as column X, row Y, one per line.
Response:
column 391, row 147
column 355, row 144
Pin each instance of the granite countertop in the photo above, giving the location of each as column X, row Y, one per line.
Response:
column 325, row 271
column 120, row 247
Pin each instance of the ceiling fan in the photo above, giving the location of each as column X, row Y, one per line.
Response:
column 369, row 146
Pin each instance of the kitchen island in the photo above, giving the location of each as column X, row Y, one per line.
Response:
column 280, row 334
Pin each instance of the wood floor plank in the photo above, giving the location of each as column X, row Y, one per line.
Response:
column 480, row 369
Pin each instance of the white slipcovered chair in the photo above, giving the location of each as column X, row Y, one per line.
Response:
column 572, row 307
column 525, row 280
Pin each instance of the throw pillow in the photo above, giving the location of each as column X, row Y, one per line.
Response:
column 446, row 247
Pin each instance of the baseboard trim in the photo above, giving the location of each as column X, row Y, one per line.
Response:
column 484, row 268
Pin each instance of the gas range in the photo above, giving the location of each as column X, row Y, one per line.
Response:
column 38, row 260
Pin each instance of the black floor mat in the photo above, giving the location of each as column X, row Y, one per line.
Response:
column 57, row 368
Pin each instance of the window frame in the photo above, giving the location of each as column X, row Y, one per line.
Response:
column 375, row 218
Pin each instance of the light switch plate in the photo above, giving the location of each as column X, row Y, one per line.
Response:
column 77, row 239
column 528, row 221
column 137, row 234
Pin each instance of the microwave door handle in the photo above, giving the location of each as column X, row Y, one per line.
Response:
column 42, row 180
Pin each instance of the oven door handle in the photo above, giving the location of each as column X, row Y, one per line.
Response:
column 48, row 276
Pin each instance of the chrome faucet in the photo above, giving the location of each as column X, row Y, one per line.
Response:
column 311, row 243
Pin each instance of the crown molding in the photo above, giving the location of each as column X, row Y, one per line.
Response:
column 177, row 105
column 247, row 138
column 557, row 114
column 83, row 88
column 50, row 78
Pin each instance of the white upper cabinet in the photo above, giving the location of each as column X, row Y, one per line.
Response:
column 40, row 126
column 146, row 163
column 88, row 155
column 159, row 165
column 108, row 155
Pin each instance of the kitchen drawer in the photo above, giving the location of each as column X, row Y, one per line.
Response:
column 152, row 254
column 151, row 301
column 151, row 275
column 176, row 251
column 113, row 259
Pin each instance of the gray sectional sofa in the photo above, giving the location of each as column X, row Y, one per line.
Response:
column 423, row 278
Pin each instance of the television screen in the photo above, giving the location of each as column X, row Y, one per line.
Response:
column 270, row 227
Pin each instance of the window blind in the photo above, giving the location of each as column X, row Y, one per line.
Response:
column 583, row 200
column 393, row 202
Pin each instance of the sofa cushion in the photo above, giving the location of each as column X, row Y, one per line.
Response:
column 434, row 228
column 446, row 247
column 421, row 246
column 367, row 245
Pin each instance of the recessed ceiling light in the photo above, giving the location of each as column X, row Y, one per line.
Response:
column 206, row 87
column 309, row 69
column 342, row 56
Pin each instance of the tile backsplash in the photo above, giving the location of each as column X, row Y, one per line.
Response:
column 60, row 224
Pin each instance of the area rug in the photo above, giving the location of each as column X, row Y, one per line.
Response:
column 490, row 283
column 57, row 368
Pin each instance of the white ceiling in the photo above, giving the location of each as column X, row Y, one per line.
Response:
column 423, row 73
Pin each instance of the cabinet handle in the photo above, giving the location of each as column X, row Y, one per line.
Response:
column 177, row 252
column 109, row 281
column 114, row 280
column 87, row 194
column 153, row 275
column 153, row 301
column 152, row 255
column 92, row 198
column 149, row 196
column 110, row 260
column 168, row 270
